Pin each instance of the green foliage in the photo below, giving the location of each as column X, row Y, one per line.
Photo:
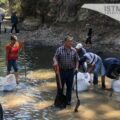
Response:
column 17, row 6
column 3, row 1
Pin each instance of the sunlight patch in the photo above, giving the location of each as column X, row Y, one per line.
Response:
column 13, row 101
column 41, row 74
column 43, row 105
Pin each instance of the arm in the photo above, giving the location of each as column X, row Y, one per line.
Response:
column 7, row 53
column 55, row 62
column 21, row 45
column 77, row 62
column 91, row 68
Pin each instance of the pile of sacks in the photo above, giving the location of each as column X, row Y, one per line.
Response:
column 8, row 83
column 84, row 80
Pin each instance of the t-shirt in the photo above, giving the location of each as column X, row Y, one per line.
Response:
column 90, row 58
column 111, row 65
column 12, row 51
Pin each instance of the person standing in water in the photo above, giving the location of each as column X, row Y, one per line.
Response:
column 12, row 52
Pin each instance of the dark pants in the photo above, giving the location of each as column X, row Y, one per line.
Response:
column 0, row 27
column 88, row 40
column 12, row 63
column 67, row 78
column 14, row 26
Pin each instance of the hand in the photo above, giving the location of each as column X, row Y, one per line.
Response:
column 56, row 68
column 76, row 70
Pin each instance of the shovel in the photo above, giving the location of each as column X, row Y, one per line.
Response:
column 78, row 100
column 1, row 112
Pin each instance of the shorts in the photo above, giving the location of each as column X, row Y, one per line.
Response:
column 12, row 63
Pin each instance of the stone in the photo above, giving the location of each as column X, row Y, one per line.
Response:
column 31, row 23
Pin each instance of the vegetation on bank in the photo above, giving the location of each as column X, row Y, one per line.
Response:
column 3, row 1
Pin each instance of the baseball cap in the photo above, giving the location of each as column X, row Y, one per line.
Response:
column 78, row 46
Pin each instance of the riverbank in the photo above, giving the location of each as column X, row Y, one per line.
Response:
column 104, row 36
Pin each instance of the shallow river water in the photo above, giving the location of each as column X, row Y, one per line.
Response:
column 34, row 96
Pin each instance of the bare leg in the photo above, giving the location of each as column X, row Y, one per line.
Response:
column 16, row 76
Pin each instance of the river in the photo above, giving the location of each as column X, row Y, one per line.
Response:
column 33, row 98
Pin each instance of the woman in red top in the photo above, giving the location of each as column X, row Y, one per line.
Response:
column 12, row 52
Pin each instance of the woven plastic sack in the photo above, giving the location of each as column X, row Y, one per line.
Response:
column 116, row 86
column 2, row 79
column 9, row 83
column 83, row 80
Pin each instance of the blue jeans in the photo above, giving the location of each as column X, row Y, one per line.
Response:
column 98, row 66
column 67, row 78
column 12, row 63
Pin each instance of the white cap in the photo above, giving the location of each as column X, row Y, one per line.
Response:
column 78, row 46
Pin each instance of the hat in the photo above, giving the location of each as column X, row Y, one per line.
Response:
column 78, row 46
column 68, row 38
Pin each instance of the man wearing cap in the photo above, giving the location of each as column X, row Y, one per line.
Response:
column 67, row 59
column 112, row 66
column 95, row 64
column 81, row 51
column 12, row 51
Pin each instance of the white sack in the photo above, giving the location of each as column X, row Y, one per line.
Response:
column 83, row 80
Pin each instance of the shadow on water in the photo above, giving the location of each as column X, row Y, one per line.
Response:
column 38, row 56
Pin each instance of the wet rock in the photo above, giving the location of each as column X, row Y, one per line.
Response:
column 31, row 23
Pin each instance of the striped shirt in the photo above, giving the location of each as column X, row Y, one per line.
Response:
column 90, row 58
column 67, row 58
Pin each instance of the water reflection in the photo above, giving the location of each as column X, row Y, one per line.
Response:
column 38, row 57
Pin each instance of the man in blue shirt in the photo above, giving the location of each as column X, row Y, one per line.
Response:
column 112, row 67
column 95, row 64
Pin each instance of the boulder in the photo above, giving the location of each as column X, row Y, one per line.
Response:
column 31, row 23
